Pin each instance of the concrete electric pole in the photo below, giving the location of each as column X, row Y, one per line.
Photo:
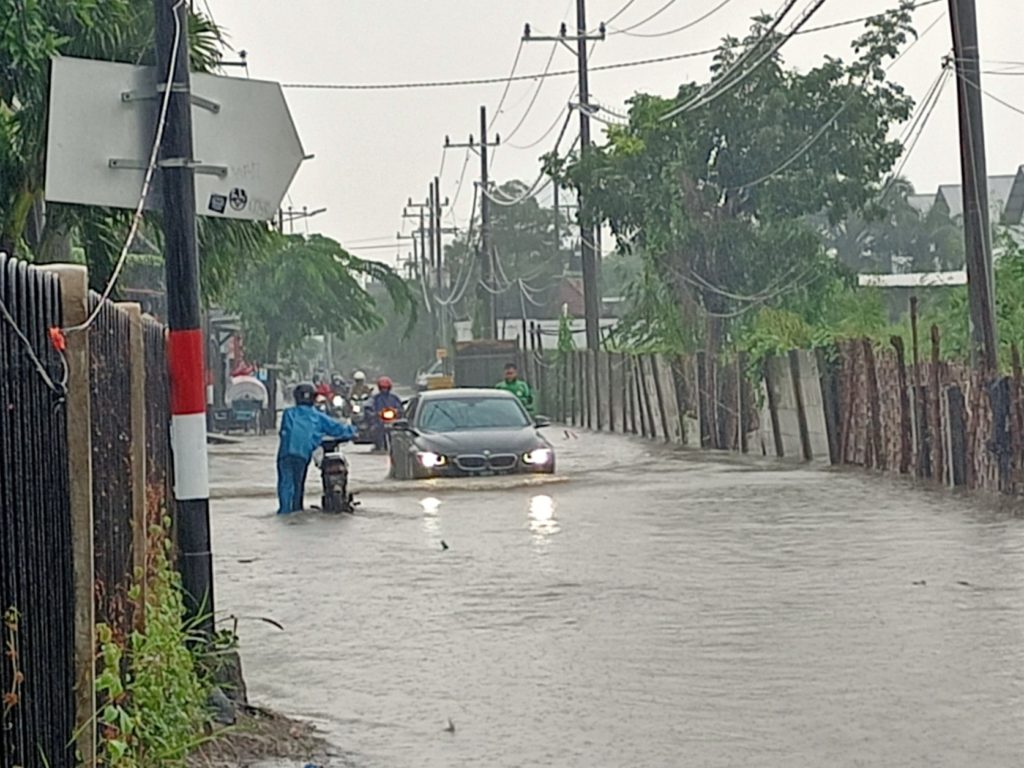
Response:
column 977, row 228
column 591, row 289
column 487, row 318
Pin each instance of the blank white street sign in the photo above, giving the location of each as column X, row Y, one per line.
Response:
column 102, row 125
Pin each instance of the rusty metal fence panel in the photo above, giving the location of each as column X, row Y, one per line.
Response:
column 36, row 580
column 110, row 396
column 159, row 462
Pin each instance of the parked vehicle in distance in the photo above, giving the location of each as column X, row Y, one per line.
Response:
column 468, row 432
column 426, row 376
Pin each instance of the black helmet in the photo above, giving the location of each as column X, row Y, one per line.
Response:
column 304, row 394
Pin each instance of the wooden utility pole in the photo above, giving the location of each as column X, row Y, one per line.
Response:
column 977, row 232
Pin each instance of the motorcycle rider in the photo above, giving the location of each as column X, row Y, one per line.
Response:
column 384, row 398
column 302, row 429
column 360, row 389
column 512, row 383
column 339, row 386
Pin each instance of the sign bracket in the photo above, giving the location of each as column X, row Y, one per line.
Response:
column 121, row 164
column 161, row 88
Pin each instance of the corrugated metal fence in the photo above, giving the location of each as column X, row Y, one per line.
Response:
column 37, row 659
column 110, row 391
column 50, row 593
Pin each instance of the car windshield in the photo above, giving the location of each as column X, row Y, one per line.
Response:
column 452, row 415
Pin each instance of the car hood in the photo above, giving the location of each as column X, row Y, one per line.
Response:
column 480, row 440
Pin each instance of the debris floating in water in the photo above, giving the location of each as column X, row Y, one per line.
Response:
column 450, row 727
column 444, row 544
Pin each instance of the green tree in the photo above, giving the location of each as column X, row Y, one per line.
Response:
column 308, row 285
column 715, row 187
column 31, row 33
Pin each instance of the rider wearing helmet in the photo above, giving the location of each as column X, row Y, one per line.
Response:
column 302, row 429
column 384, row 398
column 360, row 388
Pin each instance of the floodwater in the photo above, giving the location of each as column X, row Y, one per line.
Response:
column 644, row 608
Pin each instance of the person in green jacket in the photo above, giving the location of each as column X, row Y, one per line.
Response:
column 517, row 387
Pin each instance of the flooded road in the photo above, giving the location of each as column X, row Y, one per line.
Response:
column 645, row 608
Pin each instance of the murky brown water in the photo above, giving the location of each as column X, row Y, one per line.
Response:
column 650, row 609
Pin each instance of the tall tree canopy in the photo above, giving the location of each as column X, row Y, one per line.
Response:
column 308, row 285
column 715, row 188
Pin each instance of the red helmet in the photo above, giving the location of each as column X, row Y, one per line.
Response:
column 384, row 383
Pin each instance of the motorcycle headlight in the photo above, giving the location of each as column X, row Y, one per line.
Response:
column 338, row 401
column 431, row 460
column 357, row 409
column 538, row 456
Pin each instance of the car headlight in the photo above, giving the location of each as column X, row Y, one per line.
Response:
column 538, row 456
column 431, row 460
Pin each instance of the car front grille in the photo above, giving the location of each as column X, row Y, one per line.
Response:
column 476, row 463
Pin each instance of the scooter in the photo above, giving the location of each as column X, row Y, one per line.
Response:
column 362, row 419
column 334, row 476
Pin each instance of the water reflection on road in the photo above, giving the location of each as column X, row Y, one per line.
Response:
column 645, row 609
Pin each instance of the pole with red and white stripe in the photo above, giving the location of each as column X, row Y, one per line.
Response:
column 185, row 350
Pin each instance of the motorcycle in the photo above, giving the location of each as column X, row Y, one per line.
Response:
column 362, row 419
column 334, row 476
column 382, row 427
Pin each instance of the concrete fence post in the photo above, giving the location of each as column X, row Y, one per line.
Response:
column 772, row 394
column 659, row 393
column 956, row 436
column 74, row 291
column 138, row 453
column 801, row 411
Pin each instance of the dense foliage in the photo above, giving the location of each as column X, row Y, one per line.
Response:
column 718, row 188
column 303, row 285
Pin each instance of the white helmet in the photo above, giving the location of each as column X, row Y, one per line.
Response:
column 359, row 376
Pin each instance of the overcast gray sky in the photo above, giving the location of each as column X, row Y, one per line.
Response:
column 374, row 149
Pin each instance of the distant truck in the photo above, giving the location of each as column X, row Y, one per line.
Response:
column 481, row 363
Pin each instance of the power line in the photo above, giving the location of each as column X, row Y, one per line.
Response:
column 508, row 84
column 468, row 82
column 723, row 85
column 652, row 17
column 992, row 96
column 689, row 25
column 536, row 94
column 619, row 12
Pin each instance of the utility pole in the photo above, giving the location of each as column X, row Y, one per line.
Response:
column 557, row 212
column 977, row 232
column 487, row 316
column 421, row 232
column 185, row 349
column 591, row 290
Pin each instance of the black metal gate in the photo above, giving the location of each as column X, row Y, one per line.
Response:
column 36, row 572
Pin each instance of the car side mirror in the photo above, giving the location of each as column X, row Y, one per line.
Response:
column 541, row 421
column 401, row 425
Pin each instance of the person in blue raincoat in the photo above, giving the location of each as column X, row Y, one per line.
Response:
column 302, row 429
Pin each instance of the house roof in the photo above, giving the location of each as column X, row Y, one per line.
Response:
column 999, row 191
column 1014, row 211
column 921, row 203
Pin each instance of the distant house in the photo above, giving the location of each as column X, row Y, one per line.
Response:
column 950, row 197
column 1013, row 213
